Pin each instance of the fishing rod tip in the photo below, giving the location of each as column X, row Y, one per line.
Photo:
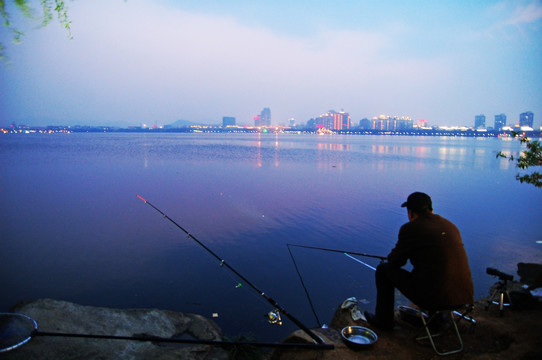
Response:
column 141, row 198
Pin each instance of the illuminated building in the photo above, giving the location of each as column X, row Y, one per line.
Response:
column 500, row 122
column 341, row 120
column 404, row 123
column 325, row 120
column 479, row 121
column 334, row 120
column 526, row 119
column 422, row 124
column 386, row 122
column 264, row 119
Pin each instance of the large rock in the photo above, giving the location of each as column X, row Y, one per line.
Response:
column 66, row 317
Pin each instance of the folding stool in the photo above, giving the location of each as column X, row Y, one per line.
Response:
column 450, row 322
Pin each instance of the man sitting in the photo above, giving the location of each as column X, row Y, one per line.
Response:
column 440, row 277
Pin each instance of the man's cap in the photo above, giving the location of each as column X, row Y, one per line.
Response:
column 418, row 202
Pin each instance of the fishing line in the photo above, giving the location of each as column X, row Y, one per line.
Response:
column 278, row 308
column 361, row 262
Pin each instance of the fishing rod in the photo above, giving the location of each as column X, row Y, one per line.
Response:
column 382, row 258
column 278, row 308
column 17, row 329
column 304, row 287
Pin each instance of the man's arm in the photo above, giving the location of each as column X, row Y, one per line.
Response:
column 400, row 254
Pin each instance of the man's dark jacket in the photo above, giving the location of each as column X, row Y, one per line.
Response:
column 441, row 275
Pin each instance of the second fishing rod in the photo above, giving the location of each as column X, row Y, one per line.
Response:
column 315, row 337
column 344, row 252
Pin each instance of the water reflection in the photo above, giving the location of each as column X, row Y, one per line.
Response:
column 333, row 147
column 397, row 149
column 277, row 150
column 260, row 144
column 449, row 154
column 259, row 161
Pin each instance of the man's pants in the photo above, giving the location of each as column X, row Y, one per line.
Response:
column 387, row 280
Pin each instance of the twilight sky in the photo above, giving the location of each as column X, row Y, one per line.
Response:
column 158, row 61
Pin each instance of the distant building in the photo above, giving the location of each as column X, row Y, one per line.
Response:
column 228, row 121
column 422, row 123
column 264, row 119
column 365, row 124
column 480, row 121
column 526, row 119
column 325, row 120
column 379, row 123
column 500, row 122
column 386, row 122
column 341, row 120
column 291, row 122
column 403, row 123
column 334, row 120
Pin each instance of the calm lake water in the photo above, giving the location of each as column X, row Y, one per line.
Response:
column 73, row 228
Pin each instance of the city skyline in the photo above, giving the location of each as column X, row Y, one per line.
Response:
column 140, row 61
column 336, row 120
column 330, row 121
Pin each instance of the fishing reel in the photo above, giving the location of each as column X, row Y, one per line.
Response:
column 273, row 317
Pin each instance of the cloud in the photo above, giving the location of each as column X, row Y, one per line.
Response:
column 526, row 14
column 146, row 61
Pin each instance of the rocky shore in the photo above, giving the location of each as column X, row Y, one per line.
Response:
column 514, row 334
column 65, row 317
